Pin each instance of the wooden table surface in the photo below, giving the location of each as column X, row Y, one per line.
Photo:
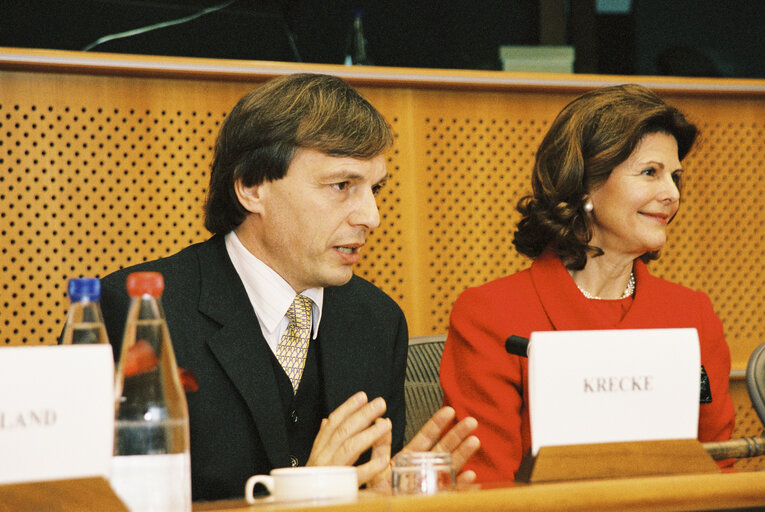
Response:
column 655, row 494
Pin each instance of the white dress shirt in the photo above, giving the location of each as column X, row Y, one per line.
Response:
column 270, row 295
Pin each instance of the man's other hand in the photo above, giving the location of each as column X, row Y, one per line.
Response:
column 458, row 440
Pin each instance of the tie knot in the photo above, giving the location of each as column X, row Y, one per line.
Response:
column 299, row 312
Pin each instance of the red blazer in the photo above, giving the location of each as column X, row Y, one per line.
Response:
column 482, row 380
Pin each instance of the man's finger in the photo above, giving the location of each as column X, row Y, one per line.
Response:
column 464, row 451
column 466, row 477
column 458, row 441
column 430, row 433
column 456, row 435
column 328, row 425
column 353, row 446
column 368, row 470
column 344, row 428
column 350, row 418
column 372, row 476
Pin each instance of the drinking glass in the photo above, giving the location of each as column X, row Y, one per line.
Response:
column 422, row 473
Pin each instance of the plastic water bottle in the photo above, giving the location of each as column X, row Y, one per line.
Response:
column 151, row 467
column 84, row 323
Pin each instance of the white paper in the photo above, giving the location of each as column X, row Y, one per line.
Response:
column 613, row 385
column 56, row 412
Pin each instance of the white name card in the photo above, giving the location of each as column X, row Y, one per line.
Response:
column 613, row 385
column 56, row 412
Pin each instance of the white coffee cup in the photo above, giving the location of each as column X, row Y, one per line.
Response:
column 336, row 483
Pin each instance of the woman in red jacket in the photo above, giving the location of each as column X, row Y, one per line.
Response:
column 605, row 184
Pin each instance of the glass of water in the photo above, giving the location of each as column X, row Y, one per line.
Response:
column 422, row 473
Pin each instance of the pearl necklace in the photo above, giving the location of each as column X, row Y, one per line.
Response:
column 627, row 291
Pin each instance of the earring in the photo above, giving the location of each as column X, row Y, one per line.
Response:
column 588, row 206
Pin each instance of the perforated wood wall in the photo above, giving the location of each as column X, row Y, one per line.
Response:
column 99, row 171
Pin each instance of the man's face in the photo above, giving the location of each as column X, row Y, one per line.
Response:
column 310, row 225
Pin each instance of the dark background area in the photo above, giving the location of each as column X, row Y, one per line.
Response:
column 649, row 37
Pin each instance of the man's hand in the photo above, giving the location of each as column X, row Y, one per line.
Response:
column 351, row 429
column 357, row 425
column 458, row 440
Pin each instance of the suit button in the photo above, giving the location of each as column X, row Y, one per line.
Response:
column 293, row 461
column 294, row 417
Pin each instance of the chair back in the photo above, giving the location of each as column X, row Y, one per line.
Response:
column 755, row 380
column 422, row 388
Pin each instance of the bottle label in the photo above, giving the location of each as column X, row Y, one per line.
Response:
column 153, row 483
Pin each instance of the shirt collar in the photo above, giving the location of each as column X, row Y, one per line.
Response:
column 270, row 295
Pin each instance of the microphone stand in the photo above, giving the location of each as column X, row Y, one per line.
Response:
column 740, row 448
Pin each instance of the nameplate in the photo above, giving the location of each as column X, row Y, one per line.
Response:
column 56, row 412
column 613, row 385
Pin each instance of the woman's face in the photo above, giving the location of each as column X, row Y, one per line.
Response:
column 632, row 208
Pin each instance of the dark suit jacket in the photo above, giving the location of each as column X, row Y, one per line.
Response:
column 236, row 416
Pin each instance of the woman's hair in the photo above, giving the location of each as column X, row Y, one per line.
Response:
column 593, row 134
column 261, row 135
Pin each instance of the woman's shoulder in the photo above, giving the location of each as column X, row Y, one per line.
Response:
column 671, row 289
column 507, row 288
column 672, row 294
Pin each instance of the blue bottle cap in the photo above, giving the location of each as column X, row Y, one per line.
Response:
column 84, row 289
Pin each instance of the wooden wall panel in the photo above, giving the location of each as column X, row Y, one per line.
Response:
column 717, row 242
column 96, row 173
column 104, row 165
column 476, row 152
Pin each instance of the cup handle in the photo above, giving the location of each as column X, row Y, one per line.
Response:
column 266, row 480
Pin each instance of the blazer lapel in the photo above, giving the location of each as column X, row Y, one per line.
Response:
column 240, row 348
column 567, row 310
column 562, row 301
column 651, row 301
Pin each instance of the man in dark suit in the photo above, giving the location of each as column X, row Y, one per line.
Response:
column 297, row 164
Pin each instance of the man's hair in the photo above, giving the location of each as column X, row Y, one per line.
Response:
column 593, row 134
column 261, row 135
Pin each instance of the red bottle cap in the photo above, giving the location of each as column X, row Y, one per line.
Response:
column 143, row 283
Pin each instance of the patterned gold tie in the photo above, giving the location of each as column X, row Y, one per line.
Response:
column 293, row 345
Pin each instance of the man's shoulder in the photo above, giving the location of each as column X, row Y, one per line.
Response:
column 362, row 311
column 361, row 293
column 179, row 265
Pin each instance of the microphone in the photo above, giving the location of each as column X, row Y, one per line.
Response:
column 517, row 345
